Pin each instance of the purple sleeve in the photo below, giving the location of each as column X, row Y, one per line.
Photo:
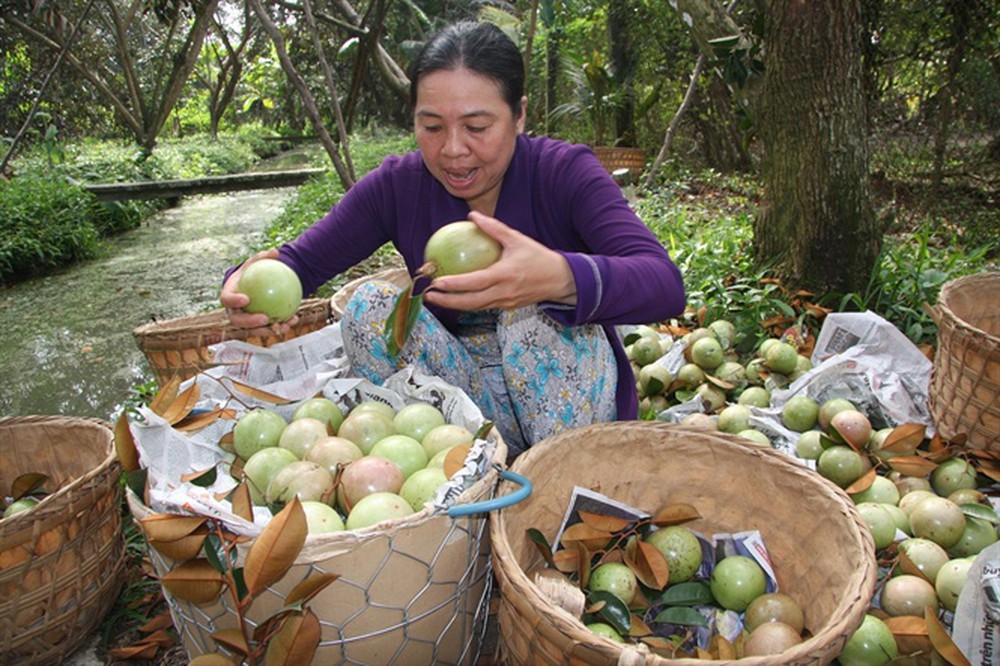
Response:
column 623, row 274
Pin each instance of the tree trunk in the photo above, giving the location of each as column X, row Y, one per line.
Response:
column 623, row 63
column 817, row 221
column 719, row 137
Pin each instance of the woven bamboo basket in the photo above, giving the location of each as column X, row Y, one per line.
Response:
column 61, row 562
column 965, row 380
column 621, row 157
column 821, row 549
column 180, row 347
column 397, row 276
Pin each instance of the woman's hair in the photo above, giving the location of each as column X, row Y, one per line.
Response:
column 482, row 48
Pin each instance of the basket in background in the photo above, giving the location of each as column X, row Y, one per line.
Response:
column 397, row 276
column 965, row 379
column 61, row 562
column 821, row 549
column 621, row 157
column 180, row 347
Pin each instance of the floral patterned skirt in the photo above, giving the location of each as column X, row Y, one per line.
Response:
column 528, row 374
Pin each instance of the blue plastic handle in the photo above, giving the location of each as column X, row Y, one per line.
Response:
column 513, row 498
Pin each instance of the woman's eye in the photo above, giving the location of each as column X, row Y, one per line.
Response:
column 475, row 129
column 432, row 128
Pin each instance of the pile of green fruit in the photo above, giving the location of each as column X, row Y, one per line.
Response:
column 351, row 470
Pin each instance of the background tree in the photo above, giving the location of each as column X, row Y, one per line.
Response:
column 137, row 56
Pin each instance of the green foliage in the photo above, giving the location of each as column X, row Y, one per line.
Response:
column 45, row 225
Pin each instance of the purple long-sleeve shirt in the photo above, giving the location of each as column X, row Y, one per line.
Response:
column 555, row 192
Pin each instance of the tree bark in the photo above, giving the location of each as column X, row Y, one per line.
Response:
column 817, row 221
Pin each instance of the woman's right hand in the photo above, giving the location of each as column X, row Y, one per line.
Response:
column 234, row 301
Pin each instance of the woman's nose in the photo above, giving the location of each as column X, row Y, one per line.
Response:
column 454, row 144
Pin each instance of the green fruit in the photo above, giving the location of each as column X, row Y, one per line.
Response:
column 321, row 518
column 882, row 491
column 840, row 464
column 781, row 357
column 376, row 508
column 755, row 435
column 872, row 644
column 255, row 430
column 645, row 351
column 831, row 407
column 691, row 374
column 938, row 519
column 725, row 332
column 402, row 450
column 261, row 467
column 953, row 474
column 616, row 578
column 422, row 486
column 273, row 288
column 17, row 506
column 707, row 353
column 736, row 581
column 461, row 247
column 951, row 578
column 880, row 523
column 682, row 550
column 605, row 630
column 808, row 445
column 417, row 419
column 734, row 418
column 755, row 396
column 321, row 409
column 924, row 557
column 977, row 535
column 800, row 413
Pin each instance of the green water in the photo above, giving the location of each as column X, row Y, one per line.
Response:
column 66, row 345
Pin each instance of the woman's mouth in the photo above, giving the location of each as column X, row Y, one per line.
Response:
column 459, row 178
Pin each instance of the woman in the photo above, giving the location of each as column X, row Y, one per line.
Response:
column 531, row 338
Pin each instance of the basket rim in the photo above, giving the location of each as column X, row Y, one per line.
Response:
column 347, row 539
column 59, row 421
column 574, row 630
column 310, row 310
column 984, row 279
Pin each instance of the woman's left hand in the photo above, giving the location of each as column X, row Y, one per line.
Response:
column 526, row 273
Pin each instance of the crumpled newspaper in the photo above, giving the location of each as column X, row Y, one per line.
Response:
column 295, row 370
column 976, row 625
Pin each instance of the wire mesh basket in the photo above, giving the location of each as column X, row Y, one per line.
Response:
column 414, row 590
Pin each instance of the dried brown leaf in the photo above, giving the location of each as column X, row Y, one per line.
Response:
column 905, row 438
column 310, row 587
column 128, row 454
column 721, row 648
column 233, row 639
column 183, row 549
column 592, row 539
column 675, row 514
column 941, row 640
column 911, row 465
column 257, row 393
column 599, row 521
column 454, row 460
column 649, row 565
column 182, row 405
column 863, row 483
column 242, row 504
column 211, row 659
column 196, row 422
column 296, row 642
column 196, row 581
column 165, row 395
column 275, row 550
column 27, row 483
column 170, row 526
column 565, row 561
column 907, row 625
column 163, row 620
column 583, row 563
column 639, row 628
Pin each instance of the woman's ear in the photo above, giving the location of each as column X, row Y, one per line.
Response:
column 522, row 115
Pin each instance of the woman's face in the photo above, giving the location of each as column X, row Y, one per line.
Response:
column 466, row 133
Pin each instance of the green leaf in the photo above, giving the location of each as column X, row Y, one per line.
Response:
column 613, row 610
column 241, row 584
column 681, row 615
column 401, row 321
column 136, row 481
column 690, row 593
column 543, row 545
column 982, row 512
column 215, row 553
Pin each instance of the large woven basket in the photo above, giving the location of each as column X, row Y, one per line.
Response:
column 621, row 157
column 180, row 347
column 821, row 549
column 61, row 562
column 965, row 380
column 397, row 276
